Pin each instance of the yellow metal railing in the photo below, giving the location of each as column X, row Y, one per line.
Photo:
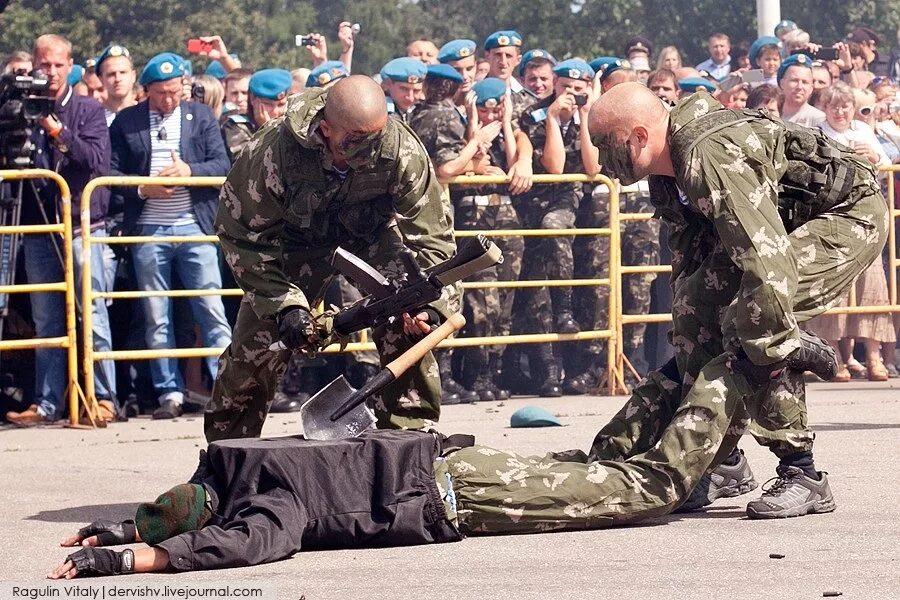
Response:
column 67, row 286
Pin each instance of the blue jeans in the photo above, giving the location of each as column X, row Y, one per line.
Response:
column 197, row 266
column 42, row 265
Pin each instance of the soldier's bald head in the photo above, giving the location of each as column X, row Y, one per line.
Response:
column 356, row 103
column 629, row 126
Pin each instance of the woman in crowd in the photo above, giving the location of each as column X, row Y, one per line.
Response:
column 209, row 90
column 669, row 58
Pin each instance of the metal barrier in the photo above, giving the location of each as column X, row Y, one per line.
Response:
column 67, row 286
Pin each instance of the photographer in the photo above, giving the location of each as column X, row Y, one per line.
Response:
column 73, row 141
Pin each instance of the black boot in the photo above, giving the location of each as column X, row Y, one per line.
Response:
column 494, row 369
column 452, row 392
column 512, row 377
column 288, row 397
column 561, row 299
column 483, row 384
column 545, row 370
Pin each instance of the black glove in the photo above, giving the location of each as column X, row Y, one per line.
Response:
column 102, row 561
column 814, row 354
column 110, row 533
column 295, row 325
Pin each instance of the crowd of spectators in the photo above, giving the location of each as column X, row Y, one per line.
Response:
column 521, row 114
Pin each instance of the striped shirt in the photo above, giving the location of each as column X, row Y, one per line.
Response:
column 165, row 137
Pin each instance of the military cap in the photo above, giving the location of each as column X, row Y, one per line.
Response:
column 489, row 92
column 215, row 69
column 533, row 416
column 444, row 72
column 692, row 84
column 794, row 60
column 328, row 71
column 162, row 67
column 755, row 47
column 76, row 74
column 784, row 26
column 271, row 84
column 638, row 44
column 455, row 50
column 502, row 39
column 188, row 67
column 111, row 51
column 607, row 65
column 532, row 55
column 574, row 68
column 405, row 70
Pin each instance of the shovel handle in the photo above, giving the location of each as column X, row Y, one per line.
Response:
column 399, row 365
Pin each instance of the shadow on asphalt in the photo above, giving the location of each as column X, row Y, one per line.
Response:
column 854, row 426
column 87, row 514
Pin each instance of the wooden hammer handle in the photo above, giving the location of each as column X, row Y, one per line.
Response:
column 399, row 365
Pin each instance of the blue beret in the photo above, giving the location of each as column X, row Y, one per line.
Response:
column 489, row 92
column 111, row 51
column 162, row 67
column 76, row 74
column 405, row 70
column 271, row 84
column 607, row 65
column 502, row 39
column 574, row 68
column 755, row 47
column 444, row 72
column 533, row 416
column 794, row 60
column 328, row 71
column 533, row 54
column 692, row 84
column 456, row 50
column 215, row 69
column 188, row 68
column 784, row 26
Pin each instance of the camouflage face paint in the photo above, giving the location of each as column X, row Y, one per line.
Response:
column 358, row 149
column 615, row 158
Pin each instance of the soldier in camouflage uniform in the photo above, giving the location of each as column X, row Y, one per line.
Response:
column 304, row 185
column 268, row 91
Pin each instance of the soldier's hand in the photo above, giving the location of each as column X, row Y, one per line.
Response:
column 814, row 354
column 520, row 177
column 507, row 109
column 295, row 328
column 563, row 102
column 471, row 110
column 103, row 533
column 95, row 561
column 418, row 326
column 485, row 135
column 586, row 108
column 492, row 171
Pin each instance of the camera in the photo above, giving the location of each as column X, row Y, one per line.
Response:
column 580, row 99
column 198, row 92
column 24, row 100
column 304, row 40
column 822, row 54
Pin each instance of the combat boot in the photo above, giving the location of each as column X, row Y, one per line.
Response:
column 494, row 370
column 289, row 397
column 452, row 391
column 731, row 478
column 482, row 385
column 512, row 377
column 561, row 299
column 545, row 370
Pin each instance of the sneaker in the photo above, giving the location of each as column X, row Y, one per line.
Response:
column 792, row 494
column 725, row 481
column 169, row 409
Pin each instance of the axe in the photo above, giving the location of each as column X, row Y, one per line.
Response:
column 339, row 411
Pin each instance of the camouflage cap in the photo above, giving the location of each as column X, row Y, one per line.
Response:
column 181, row 509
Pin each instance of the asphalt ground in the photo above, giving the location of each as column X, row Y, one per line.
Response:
column 54, row 480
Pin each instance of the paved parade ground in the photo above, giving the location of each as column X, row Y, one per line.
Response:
column 56, row 480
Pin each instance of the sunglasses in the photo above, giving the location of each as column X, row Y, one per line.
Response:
column 865, row 110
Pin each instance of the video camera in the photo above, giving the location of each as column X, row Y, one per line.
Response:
column 24, row 100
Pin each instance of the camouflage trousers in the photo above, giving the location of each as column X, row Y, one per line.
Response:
column 489, row 311
column 645, row 462
column 249, row 371
column 640, row 247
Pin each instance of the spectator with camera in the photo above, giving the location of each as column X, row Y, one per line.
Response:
column 18, row 62
column 184, row 140
column 73, row 141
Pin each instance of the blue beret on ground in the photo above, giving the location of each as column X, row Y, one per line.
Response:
column 325, row 73
column 533, row 416
column 405, row 70
column 502, row 39
column 533, row 54
column 574, row 68
column 162, row 67
column 271, row 84
column 489, row 92
column 456, row 50
column 444, row 72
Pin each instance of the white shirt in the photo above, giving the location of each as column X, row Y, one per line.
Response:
column 165, row 137
column 808, row 116
column 858, row 132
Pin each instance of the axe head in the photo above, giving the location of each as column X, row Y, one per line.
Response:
column 315, row 414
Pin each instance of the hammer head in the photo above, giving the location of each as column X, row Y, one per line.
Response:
column 315, row 414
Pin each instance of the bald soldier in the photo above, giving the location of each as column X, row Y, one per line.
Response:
column 769, row 223
column 333, row 171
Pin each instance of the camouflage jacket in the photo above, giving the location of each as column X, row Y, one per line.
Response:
column 283, row 195
column 440, row 128
column 237, row 131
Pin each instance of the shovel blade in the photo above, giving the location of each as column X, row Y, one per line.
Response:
column 315, row 414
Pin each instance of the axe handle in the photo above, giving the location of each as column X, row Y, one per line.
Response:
column 399, row 365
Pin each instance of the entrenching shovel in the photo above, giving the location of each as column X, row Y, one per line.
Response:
column 338, row 411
